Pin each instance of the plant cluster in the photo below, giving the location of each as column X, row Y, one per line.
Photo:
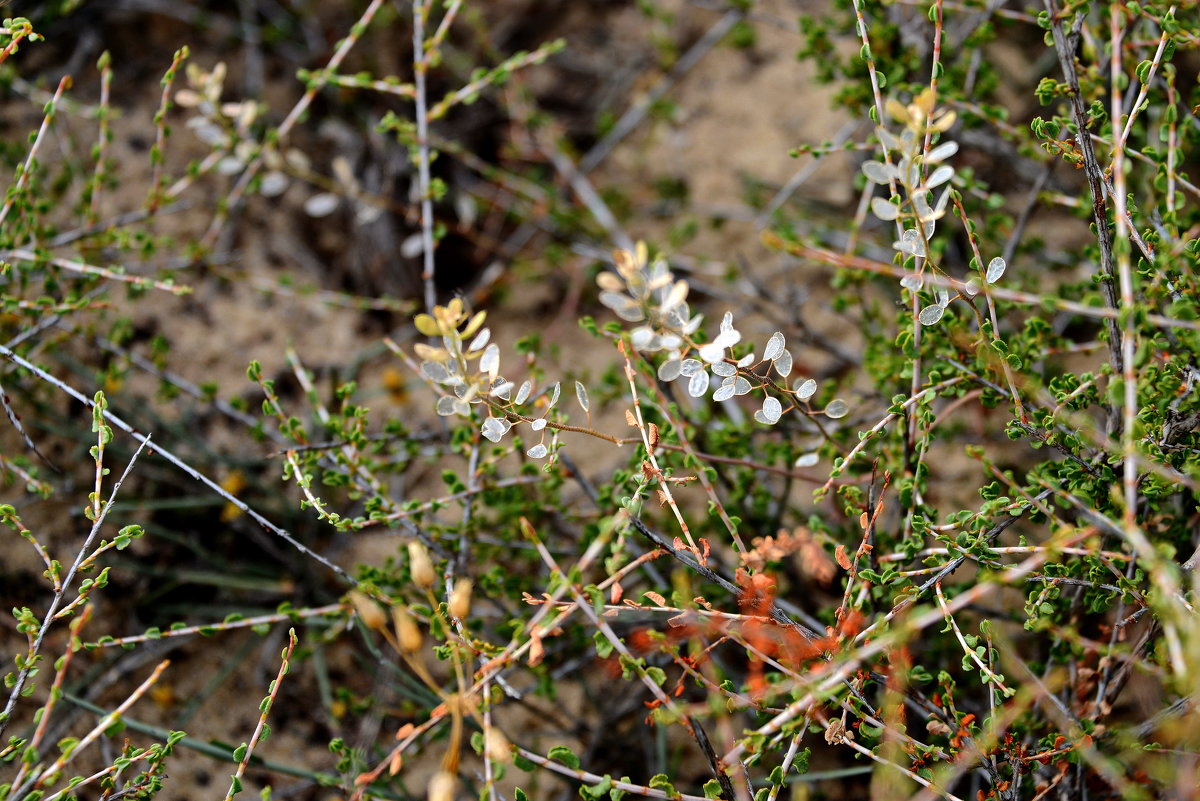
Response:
column 935, row 540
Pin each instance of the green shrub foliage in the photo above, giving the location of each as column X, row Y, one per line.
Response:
column 908, row 509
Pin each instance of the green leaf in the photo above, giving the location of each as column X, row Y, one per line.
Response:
column 561, row 753
column 596, row 791
column 660, row 781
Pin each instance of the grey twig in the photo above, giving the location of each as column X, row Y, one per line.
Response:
column 424, row 181
column 182, row 465
column 1065, row 45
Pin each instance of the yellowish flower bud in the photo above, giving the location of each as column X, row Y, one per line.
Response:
column 442, row 786
column 460, row 599
column 368, row 611
column 497, row 746
column 407, row 630
column 421, row 565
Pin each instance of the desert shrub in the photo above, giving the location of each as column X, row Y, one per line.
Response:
column 908, row 512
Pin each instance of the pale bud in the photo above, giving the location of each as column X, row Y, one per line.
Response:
column 442, row 786
column 497, row 746
column 368, row 611
column 460, row 599
column 407, row 630
column 421, row 565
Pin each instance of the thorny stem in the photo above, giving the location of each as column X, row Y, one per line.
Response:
column 773, row 240
column 70, row 265
column 267, row 703
column 104, row 118
column 1119, row 145
column 177, row 462
column 30, row 159
column 866, row 438
column 55, row 693
column 158, row 154
column 61, row 591
column 102, row 726
column 994, row 680
column 1125, row 277
column 917, row 326
column 230, row 625
column 1132, row 528
column 985, row 290
column 1065, row 47
column 420, row 11
column 685, row 446
column 663, row 486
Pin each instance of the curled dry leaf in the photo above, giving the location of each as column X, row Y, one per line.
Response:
column 810, row 556
column 935, row 726
column 615, row 593
column 537, row 651
column 842, row 559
